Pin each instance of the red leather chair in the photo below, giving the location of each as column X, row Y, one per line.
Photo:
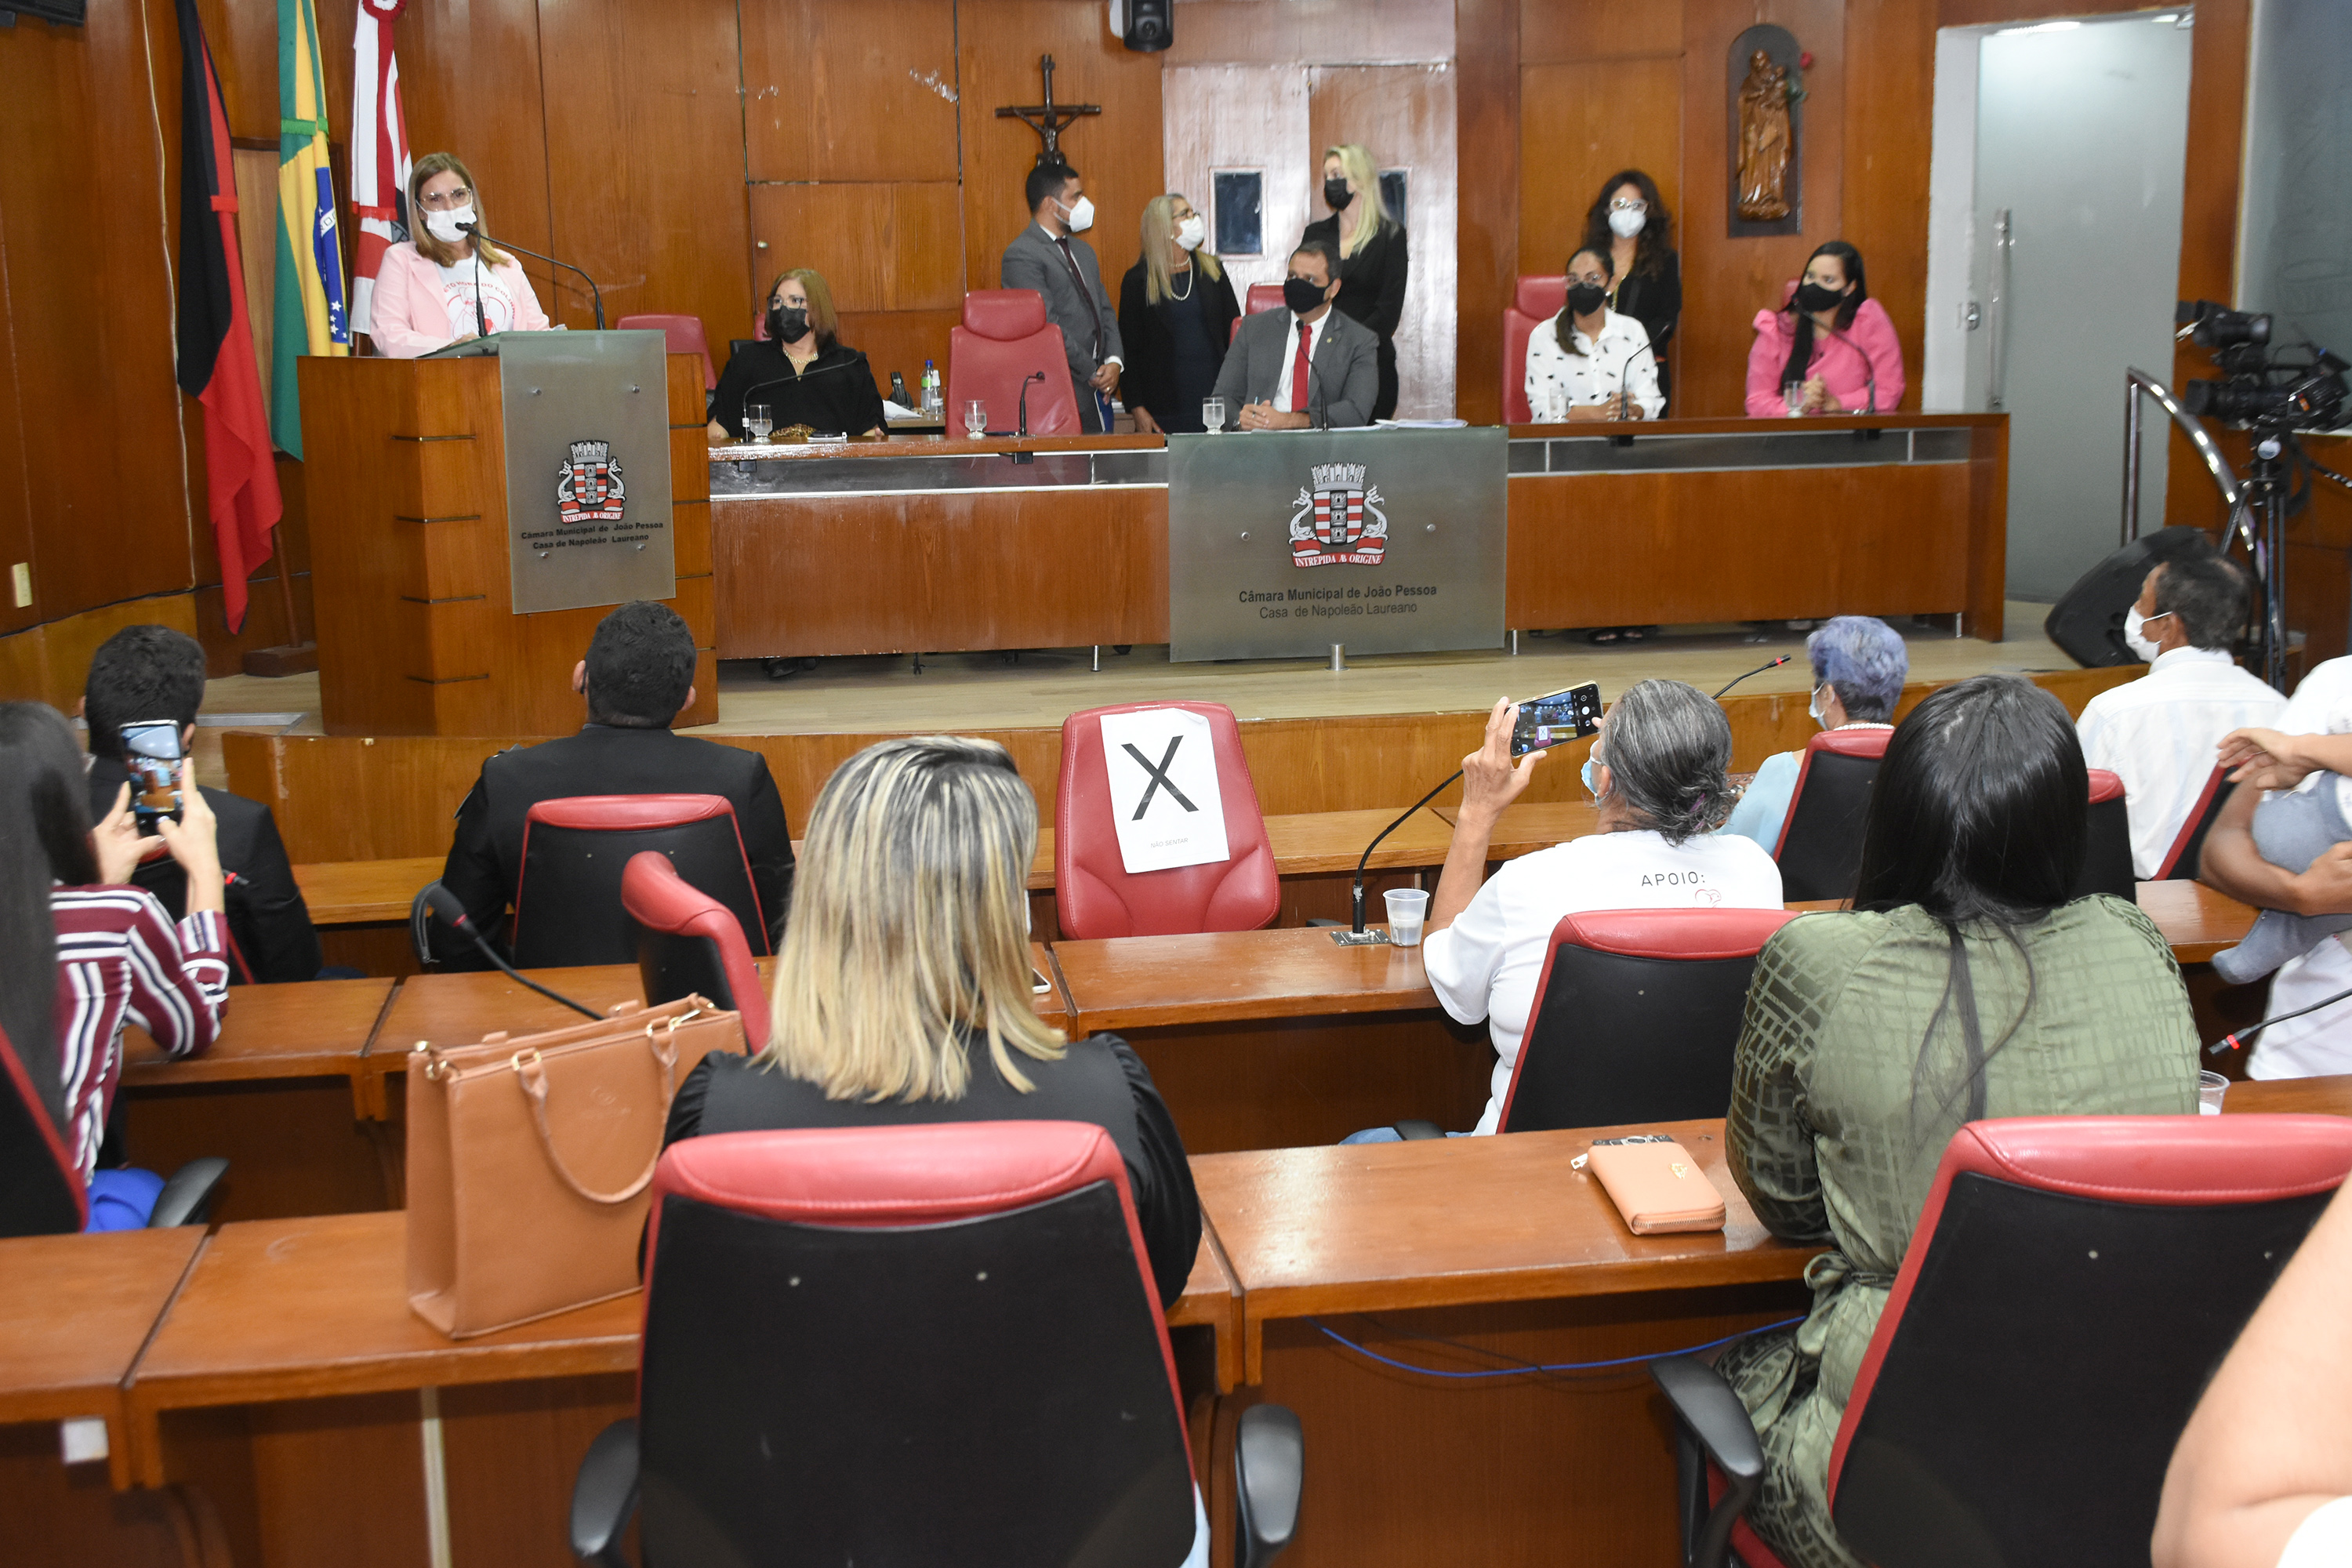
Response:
column 685, row 337
column 2188, row 845
column 1635, row 1017
column 1820, row 851
column 567, row 902
column 1537, row 298
column 1262, row 297
column 689, row 943
column 1004, row 340
column 936, row 1344
column 2071, row 1285
column 41, row 1189
column 1095, row 895
column 2106, row 841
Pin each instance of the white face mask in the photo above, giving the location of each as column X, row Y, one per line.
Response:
column 1626, row 224
column 2135, row 636
column 1814, row 706
column 1191, row 231
column 1080, row 217
column 443, row 225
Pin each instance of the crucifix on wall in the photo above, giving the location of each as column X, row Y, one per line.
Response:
column 1048, row 119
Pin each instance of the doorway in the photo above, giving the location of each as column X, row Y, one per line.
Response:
column 2053, row 258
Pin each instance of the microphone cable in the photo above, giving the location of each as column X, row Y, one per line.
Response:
column 441, row 901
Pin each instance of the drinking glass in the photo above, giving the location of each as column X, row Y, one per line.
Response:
column 975, row 418
column 1213, row 413
column 758, row 420
column 2211, row 1088
column 1792, row 393
column 1408, row 908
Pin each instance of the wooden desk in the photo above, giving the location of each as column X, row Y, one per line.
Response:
column 357, row 892
column 2291, row 1096
column 1147, row 982
column 1529, row 825
column 313, row 1028
column 2197, row 920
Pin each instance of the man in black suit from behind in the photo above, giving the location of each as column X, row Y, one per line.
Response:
column 637, row 676
column 1047, row 256
column 144, row 673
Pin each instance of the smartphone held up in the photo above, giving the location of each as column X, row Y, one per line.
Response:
column 153, row 755
column 1556, row 717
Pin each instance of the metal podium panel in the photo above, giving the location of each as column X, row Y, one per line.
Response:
column 588, row 481
column 1283, row 542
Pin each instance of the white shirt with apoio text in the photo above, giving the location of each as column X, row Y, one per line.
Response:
column 1487, row 964
column 2161, row 734
column 2317, row 1043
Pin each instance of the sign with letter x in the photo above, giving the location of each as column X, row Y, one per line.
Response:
column 1165, row 804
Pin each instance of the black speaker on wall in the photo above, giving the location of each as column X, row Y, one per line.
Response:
column 2088, row 623
column 1147, row 26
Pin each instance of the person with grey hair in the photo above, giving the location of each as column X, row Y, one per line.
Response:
column 1859, row 665
column 1656, row 768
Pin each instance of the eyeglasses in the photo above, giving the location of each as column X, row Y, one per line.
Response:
column 1595, row 278
column 447, row 199
column 1627, row 204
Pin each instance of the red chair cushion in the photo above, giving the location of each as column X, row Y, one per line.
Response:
column 1005, row 340
column 1672, row 933
column 685, row 337
column 1536, row 299
column 2150, row 1160
column 1005, row 315
column 618, row 811
column 657, row 897
column 2106, row 786
column 1094, row 893
column 1264, row 296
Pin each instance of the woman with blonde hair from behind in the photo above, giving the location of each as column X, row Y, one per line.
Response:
column 903, row 989
column 1370, row 241
column 1176, row 315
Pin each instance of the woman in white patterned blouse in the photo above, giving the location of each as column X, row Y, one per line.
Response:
column 1589, row 361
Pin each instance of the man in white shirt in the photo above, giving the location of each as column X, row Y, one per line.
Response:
column 2159, row 732
column 1306, row 364
column 1658, row 770
column 2319, row 1042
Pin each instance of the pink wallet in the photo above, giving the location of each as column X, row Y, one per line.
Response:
column 1658, row 1187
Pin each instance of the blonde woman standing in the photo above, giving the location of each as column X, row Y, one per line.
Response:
column 1176, row 315
column 902, row 990
column 443, row 286
column 1373, row 263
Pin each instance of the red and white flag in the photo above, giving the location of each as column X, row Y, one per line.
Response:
column 380, row 157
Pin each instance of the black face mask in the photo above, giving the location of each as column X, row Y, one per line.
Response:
column 1337, row 195
column 1302, row 296
column 1812, row 297
column 788, row 326
column 1583, row 299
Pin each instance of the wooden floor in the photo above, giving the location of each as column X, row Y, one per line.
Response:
column 975, row 692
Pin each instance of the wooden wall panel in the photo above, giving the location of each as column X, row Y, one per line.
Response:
column 1350, row 32
column 863, row 92
column 1241, row 117
column 886, row 247
column 15, row 499
column 1579, row 124
column 1488, row 145
column 643, row 119
column 1565, row 31
column 1890, row 87
column 1406, row 116
column 1118, row 151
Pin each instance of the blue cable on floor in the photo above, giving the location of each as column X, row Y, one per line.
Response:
column 1530, row 1370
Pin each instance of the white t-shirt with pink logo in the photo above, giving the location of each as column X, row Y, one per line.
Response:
column 1486, row 963
column 457, row 285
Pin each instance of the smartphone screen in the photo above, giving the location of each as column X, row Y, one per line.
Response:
column 1556, row 717
column 151, row 756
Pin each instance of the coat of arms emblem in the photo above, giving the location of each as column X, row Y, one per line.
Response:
column 1339, row 521
column 588, row 487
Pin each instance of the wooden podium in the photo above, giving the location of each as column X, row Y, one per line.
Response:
column 407, row 478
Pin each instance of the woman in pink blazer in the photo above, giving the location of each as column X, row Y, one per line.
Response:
column 1829, row 339
column 431, row 292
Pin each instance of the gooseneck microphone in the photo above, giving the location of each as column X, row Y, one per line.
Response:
column 1028, row 381
column 1356, row 935
column 2236, row 1041
column 445, row 903
column 1759, row 670
column 480, row 239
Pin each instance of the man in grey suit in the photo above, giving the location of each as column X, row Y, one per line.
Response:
column 1046, row 257
column 1307, row 364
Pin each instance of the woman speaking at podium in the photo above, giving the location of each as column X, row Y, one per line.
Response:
column 801, row 370
column 444, row 285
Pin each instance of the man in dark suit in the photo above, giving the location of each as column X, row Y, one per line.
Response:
column 1046, row 257
column 1307, row 364
column 639, row 673
column 144, row 673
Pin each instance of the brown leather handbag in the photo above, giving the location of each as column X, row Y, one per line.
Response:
column 529, row 1160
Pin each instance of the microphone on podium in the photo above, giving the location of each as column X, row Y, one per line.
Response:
column 433, row 896
column 476, row 230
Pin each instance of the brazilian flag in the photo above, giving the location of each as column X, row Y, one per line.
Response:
column 308, row 317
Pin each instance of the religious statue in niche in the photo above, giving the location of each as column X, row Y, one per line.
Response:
column 1766, row 143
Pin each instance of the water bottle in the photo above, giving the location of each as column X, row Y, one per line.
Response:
column 931, row 388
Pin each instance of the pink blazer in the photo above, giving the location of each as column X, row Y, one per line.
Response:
column 410, row 308
column 1840, row 362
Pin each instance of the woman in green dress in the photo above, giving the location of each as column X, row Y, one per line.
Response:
column 1966, row 984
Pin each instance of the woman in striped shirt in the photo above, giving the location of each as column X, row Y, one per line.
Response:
column 66, row 911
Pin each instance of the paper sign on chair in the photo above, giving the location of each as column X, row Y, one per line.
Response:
column 1162, row 763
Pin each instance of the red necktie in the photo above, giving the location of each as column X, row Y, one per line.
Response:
column 1299, row 372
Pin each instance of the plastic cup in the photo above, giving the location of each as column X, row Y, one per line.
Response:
column 1408, row 907
column 2211, row 1088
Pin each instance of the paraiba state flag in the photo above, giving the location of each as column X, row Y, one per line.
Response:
column 310, row 316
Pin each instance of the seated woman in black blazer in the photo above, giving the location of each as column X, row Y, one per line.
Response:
column 1176, row 315
column 902, row 990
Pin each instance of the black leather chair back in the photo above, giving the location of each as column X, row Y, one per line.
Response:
column 2106, row 841
column 2180, row 861
column 568, row 906
column 41, row 1189
column 925, row 1344
column 1820, row 841
column 1635, row 1017
column 2073, row 1284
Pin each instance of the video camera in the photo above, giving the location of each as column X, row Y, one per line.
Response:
column 2254, row 388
